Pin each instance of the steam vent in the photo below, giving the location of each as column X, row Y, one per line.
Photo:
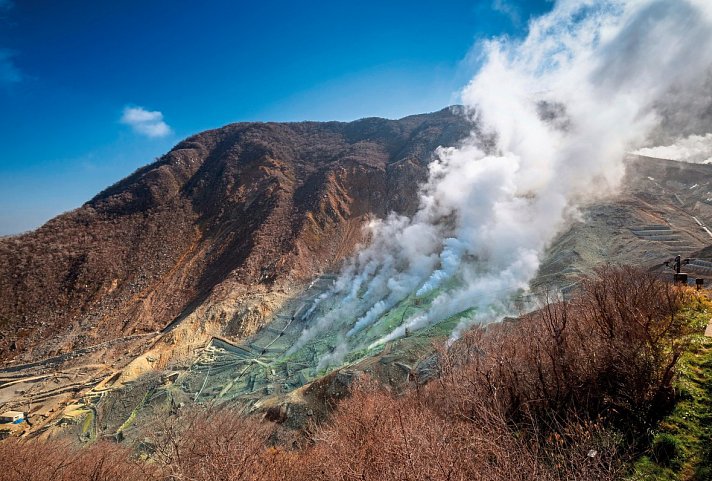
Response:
column 395, row 253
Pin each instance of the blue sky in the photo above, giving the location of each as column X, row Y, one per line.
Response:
column 92, row 90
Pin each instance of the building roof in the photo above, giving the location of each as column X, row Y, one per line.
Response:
column 12, row 414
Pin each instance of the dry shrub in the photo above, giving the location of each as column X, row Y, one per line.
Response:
column 610, row 352
column 62, row 461
column 204, row 444
column 547, row 397
column 375, row 435
column 552, row 396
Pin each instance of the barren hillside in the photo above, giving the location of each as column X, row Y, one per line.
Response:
column 244, row 209
column 191, row 280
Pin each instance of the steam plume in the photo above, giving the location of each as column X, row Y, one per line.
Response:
column 694, row 148
column 564, row 104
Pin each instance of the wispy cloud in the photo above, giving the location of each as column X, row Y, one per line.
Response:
column 145, row 122
column 505, row 7
column 9, row 73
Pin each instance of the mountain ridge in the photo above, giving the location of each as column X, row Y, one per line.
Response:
column 194, row 278
column 245, row 205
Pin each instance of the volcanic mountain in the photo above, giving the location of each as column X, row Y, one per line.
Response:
column 229, row 214
column 191, row 279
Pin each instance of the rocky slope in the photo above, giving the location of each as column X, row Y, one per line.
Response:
column 225, row 222
column 188, row 280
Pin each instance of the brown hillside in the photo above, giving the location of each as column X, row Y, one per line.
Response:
column 247, row 208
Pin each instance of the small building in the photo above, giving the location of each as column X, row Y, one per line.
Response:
column 14, row 417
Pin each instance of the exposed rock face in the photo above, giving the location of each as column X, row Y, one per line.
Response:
column 226, row 216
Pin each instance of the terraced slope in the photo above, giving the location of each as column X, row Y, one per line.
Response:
column 661, row 211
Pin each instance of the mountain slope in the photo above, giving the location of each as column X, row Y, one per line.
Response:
column 250, row 208
column 189, row 280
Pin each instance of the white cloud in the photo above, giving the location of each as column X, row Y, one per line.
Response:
column 508, row 9
column 145, row 122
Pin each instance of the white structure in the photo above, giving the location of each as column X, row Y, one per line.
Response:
column 13, row 417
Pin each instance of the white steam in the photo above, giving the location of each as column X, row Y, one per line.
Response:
column 564, row 105
column 696, row 149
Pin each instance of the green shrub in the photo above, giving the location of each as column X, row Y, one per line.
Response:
column 703, row 473
column 666, row 449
